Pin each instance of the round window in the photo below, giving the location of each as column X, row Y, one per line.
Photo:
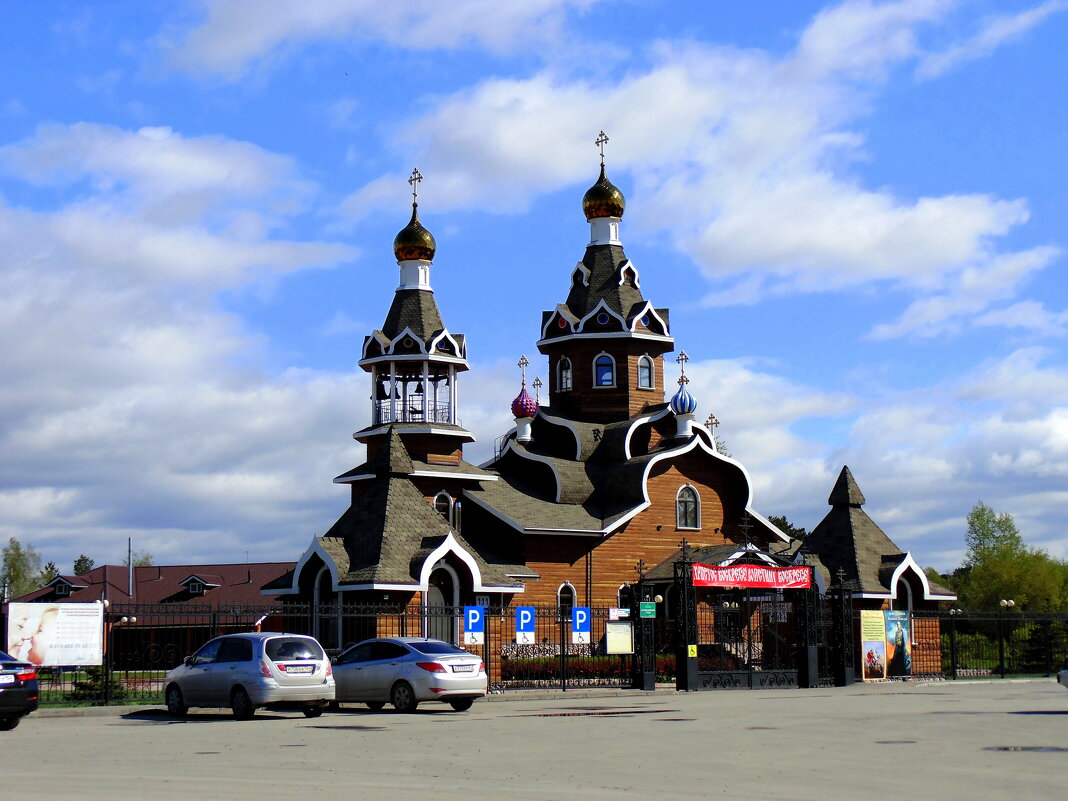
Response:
column 408, row 342
column 645, row 321
column 602, row 319
column 561, row 322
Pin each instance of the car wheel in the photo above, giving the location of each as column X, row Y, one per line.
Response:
column 376, row 706
column 7, row 724
column 462, row 704
column 241, row 704
column 312, row 711
column 403, row 697
column 175, row 703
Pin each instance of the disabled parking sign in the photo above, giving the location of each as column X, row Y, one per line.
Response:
column 474, row 625
column 524, row 625
column 580, row 625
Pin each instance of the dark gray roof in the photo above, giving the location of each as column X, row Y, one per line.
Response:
column 710, row 555
column 389, row 529
column 850, row 541
column 604, row 263
column 415, row 309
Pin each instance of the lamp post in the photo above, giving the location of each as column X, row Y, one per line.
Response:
column 1004, row 604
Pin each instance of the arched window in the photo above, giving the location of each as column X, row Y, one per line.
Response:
column 645, row 373
column 565, row 599
column 604, row 371
column 563, row 374
column 443, row 505
column 687, row 508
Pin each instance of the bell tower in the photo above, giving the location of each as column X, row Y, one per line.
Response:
column 414, row 361
column 605, row 342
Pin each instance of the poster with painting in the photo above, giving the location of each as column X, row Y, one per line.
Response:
column 898, row 644
column 873, row 645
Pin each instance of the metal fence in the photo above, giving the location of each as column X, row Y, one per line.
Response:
column 971, row 645
column 143, row 642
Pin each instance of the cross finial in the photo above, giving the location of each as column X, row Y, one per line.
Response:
column 641, row 568
column 537, row 389
column 522, row 364
column 681, row 359
column 414, row 181
column 600, row 141
column 712, row 422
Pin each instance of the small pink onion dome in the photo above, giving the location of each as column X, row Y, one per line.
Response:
column 524, row 405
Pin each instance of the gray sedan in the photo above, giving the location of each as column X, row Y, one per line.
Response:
column 256, row 669
column 408, row 670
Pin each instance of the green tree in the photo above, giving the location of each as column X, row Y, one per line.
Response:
column 999, row 565
column 140, row 559
column 48, row 572
column 82, row 565
column 20, row 569
column 788, row 528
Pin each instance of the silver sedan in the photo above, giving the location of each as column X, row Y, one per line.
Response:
column 405, row 671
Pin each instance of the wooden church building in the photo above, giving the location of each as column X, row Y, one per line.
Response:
column 607, row 473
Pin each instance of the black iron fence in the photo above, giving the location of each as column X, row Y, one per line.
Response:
column 144, row 641
column 985, row 645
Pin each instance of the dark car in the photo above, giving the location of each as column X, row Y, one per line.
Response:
column 18, row 690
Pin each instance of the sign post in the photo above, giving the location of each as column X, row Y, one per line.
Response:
column 474, row 625
column 580, row 625
column 524, row 625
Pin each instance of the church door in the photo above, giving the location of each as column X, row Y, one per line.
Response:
column 440, row 606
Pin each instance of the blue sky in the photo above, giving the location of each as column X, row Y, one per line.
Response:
column 854, row 211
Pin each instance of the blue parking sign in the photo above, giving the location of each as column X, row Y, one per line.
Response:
column 524, row 625
column 474, row 625
column 580, row 625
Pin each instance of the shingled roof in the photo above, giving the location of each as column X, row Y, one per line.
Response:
column 386, row 534
column 850, row 541
column 416, row 310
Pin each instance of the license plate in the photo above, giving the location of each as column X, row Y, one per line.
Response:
column 300, row 668
column 7, row 678
column 463, row 668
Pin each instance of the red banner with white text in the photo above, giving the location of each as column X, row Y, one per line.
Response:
column 778, row 578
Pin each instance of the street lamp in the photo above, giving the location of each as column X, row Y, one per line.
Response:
column 1004, row 604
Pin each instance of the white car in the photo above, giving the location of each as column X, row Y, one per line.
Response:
column 247, row 671
column 1062, row 677
column 408, row 670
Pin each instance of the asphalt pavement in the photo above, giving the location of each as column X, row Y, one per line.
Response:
column 941, row 740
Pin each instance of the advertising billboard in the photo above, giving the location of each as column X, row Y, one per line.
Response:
column 50, row 635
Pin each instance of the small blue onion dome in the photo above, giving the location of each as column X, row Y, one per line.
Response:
column 524, row 405
column 683, row 402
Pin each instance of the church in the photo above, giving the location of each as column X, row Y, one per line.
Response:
column 605, row 477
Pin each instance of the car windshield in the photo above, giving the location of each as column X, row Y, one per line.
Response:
column 437, row 647
column 4, row 657
column 284, row 649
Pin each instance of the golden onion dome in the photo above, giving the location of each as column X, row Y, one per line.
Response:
column 603, row 199
column 414, row 241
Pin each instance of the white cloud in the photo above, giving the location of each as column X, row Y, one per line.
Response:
column 130, row 405
column 237, row 33
column 743, row 159
column 995, row 32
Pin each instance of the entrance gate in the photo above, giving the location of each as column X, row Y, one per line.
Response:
column 759, row 638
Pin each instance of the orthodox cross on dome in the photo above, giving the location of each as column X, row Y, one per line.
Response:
column 537, row 389
column 601, row 141
column 712, row 422
column 682, row 358
column 414, row 181
column 522, row 365
column 641, row 568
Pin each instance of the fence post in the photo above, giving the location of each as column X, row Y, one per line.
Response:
column 686, row 664
column 1048, row 626
column 563, row 649
column 953, row 643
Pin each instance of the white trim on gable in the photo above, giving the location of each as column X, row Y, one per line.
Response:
column 601, row 306
column 625, row 265
column 560, row 311
column 444, row 334
column 648, row 309
column 407, row 332
column 646, row 418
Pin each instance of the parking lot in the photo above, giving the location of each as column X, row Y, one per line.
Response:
column 939, row 741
